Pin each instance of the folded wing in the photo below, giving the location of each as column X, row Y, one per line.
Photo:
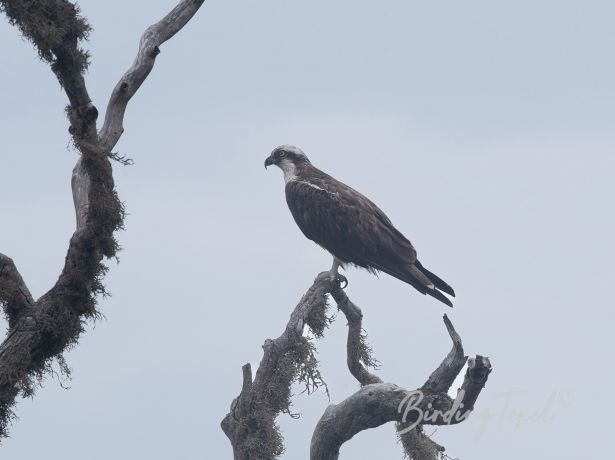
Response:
column 356, row 231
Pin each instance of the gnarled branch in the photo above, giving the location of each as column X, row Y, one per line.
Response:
column 40, row 331
column 250, row 424
column 377, row 403
column 443, row 377
column 152, row 38
column 417, row 445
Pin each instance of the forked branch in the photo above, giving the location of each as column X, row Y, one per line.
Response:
column 377, row 403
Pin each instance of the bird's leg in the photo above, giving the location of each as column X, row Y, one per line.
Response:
column 333, row 274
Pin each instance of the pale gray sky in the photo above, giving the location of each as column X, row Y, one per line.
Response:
column 483, row 128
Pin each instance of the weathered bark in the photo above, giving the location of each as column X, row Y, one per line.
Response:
column 41, row 330
column 379, row 403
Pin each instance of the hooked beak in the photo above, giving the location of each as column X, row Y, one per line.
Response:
column 269, row 161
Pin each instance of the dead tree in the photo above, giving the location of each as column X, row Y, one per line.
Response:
column 41, row 330
column 251, row 426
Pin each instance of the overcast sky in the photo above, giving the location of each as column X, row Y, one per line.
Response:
column 484, row 129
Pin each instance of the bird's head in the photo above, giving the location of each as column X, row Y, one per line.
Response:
column 288, row 158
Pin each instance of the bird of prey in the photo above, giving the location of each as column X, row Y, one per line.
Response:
column 348, row 225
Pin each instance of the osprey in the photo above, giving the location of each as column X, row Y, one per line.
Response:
column 348, row 225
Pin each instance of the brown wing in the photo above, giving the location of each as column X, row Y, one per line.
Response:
column 349, row 226
column 356, row 231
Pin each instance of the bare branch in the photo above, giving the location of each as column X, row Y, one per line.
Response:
column 444, row 376
column 153, row 37
column 80, row 184
column 14, row 294
column 416, row 444
column 378, row 403
column 371, row 406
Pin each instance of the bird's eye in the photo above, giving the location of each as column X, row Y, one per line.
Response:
column 282, row 154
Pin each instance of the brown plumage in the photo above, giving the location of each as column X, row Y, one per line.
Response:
column 350, row 226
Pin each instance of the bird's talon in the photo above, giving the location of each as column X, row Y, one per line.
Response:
column 333, row 277
column 342, row 279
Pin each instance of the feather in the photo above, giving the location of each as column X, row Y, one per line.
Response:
column 354, row 230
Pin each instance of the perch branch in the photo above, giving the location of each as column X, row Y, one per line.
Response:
column 153, row 37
